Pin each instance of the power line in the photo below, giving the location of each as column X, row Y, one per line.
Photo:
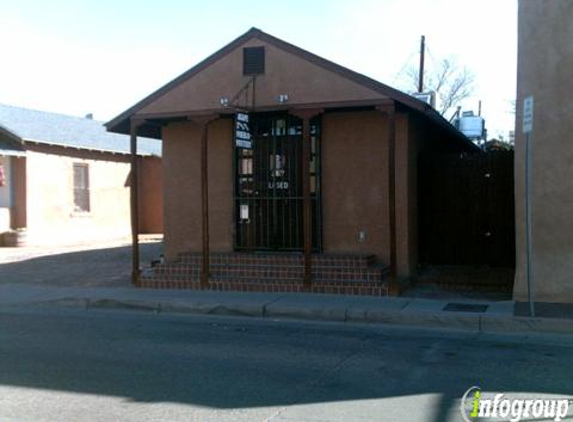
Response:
column 406, row 63
column 434, row 61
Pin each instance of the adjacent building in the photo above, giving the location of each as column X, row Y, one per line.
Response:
column 65, row 179
column 545, row 60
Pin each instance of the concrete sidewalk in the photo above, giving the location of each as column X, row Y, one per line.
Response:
column 498, row 317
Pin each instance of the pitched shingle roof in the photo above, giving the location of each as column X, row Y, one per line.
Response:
column 69, row 131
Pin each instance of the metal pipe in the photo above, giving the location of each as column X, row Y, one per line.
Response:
column 134, row 202
column 528, row 239
column 307, row 217
column 422, row 53
column 205, row 204
column 393, row 287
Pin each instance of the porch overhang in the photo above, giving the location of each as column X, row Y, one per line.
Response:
column 151, row 123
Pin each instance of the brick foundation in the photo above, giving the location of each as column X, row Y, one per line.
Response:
column 280, row 273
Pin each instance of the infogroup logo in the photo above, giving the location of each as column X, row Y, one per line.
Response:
column 478, row 404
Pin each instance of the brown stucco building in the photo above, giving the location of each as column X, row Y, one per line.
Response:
column 545, row 60
column 324, row 195
column 64, row 179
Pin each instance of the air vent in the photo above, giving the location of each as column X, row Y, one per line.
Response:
column 253, row 60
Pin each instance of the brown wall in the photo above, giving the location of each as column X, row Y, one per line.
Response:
column 19, row 207
column 182, row 187
column 354, row 183
column 354, row 187
column 304, row 82
column 150, row 195
column 545, row 60
column 407, row 148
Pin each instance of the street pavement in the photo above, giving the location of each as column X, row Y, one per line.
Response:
column 59, row 364
column 78, row 343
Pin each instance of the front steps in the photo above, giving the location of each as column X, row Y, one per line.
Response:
column 272, row 272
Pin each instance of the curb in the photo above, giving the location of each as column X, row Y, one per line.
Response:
column 494, row 324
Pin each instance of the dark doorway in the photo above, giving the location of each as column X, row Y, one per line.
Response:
column 268, row 185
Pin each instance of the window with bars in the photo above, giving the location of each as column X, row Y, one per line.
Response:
column 81, row 188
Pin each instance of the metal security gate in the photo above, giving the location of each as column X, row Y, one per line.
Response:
column 268, row 185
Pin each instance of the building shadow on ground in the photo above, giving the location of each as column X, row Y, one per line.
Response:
column 104, row 267
column 231, row 364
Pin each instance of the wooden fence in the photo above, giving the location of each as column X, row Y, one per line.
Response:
column 466, row 209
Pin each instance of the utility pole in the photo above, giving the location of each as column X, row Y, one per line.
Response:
column 421, row 77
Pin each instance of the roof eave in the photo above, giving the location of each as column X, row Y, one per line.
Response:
column 118, row 124
column 11, row 136
column 437, row 118
column 81, row 148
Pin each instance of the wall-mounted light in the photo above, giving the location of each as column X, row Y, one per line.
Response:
column 283, row 98
column 224, row 101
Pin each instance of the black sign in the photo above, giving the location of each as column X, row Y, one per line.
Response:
column 243, row 131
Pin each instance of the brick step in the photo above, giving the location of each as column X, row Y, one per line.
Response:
column 373, row 273
column 273, row 286
column 260, row 280
column 283, row 259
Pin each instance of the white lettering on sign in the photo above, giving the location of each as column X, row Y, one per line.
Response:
column 278, row 185
column 528, row 114
column 243, row 135
column 242, row 131
column 244, row 212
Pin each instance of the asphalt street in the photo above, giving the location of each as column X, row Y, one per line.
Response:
column 73, row 365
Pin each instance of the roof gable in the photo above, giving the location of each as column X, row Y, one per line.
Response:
column 305, row 77
column 310, row 79
column 285, row 73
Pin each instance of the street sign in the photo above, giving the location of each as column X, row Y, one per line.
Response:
column 528, row 114
column 243, row 137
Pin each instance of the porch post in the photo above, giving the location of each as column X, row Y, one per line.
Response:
column 306, row 115
column 307, row 204
column 205, row 204
column 203, row 122
column 393, row 288
column 134, row 202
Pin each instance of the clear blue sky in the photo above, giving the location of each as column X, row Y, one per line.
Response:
column 84, row 56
